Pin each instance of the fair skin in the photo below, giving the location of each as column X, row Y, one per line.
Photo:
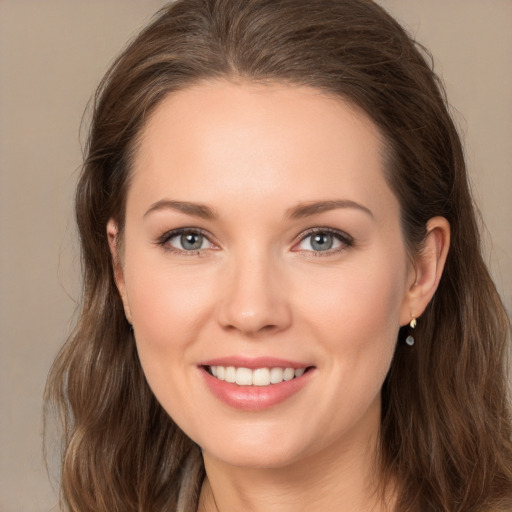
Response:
column 259, row 279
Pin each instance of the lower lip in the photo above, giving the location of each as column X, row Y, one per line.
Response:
column 255, row 398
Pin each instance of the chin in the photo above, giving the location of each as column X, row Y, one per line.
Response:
column 267, row 449
column 254, row 457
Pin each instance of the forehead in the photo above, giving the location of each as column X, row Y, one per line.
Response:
column 221, row 140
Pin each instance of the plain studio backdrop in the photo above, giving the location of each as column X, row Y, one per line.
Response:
column 52, row 55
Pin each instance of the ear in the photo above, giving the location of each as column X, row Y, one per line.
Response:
column 113, row 242
column 426, row 270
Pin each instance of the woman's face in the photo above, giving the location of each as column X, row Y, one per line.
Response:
column 263, row 242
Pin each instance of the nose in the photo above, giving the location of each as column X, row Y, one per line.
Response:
column 254, row 296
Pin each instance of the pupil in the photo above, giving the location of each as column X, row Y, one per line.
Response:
column 191, row 241
column 322, row 242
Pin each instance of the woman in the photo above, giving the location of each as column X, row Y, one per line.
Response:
column 284, row 302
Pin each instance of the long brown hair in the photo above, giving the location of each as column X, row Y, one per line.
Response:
column 446, row 434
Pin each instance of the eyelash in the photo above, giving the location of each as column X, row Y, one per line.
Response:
column 164, row 239
column 346, row 240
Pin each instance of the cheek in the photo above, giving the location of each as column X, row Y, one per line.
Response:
column 169, row 310
column 354, row 316
column 358, row 302
column 168, row 307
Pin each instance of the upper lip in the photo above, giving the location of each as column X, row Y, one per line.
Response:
column 254, row 362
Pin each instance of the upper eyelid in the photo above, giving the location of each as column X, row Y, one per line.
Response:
column 163, row 240
column 346, row 241
column 342, row 235
column 311, row 231
column 179, row 231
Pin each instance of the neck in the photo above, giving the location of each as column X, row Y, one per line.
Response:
column 340, row 479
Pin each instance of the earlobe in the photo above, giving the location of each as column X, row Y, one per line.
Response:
column 428, row 266
column 113, row 242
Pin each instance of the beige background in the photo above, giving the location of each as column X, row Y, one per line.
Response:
column 52, row 54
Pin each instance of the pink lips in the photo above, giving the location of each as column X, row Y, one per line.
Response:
column 253, row 363
column 254, row 398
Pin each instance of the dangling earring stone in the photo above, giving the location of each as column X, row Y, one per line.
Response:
column 410, row 339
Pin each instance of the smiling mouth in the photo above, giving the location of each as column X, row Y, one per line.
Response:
column 257, row 377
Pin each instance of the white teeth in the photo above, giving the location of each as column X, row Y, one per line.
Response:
column 261, row 377
column 230, row 375
column 258, row 377
column 299, row 372
column 288, row 374
column 276, row 375
column 244, row 377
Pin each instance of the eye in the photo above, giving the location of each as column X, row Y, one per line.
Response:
column 324, row 240
column 186, row 240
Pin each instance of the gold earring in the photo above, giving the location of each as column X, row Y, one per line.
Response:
column 410, row 339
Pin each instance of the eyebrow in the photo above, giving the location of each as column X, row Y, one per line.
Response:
column 195, row 209
column 308, row 209
column 298, row 212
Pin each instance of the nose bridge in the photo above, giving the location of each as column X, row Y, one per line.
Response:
column 254, row 297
